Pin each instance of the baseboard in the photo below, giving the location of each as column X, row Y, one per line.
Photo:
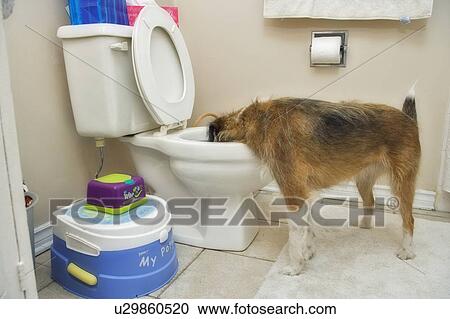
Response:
column 423, row 199
column 43, row 238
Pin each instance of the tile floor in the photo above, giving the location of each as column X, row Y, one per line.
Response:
column 205, row 273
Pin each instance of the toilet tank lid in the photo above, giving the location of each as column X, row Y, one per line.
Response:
column 93, row 30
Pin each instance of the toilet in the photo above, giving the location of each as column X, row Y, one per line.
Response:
column 137, row 84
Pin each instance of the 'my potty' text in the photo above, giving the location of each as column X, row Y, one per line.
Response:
column 150, row 261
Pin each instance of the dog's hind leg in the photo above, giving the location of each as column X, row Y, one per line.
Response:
column 365, row 181
column 403, row 185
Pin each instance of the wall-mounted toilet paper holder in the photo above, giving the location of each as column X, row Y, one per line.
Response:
column 343, row 49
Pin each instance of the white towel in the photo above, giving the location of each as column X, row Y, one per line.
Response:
column 349, row 9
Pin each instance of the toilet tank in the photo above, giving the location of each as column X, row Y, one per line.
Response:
column 103, row 91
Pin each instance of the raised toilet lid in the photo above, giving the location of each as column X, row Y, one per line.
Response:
column 162, row 66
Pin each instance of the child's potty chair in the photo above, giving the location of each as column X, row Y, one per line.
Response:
column 97, row 255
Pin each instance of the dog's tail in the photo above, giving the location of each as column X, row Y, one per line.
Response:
column 409, row 106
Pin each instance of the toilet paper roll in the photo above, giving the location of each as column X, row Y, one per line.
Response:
column 326, row 50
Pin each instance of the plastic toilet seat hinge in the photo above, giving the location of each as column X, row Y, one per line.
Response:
column 164, row 129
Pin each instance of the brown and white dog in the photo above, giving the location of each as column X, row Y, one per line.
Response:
column 309, row 145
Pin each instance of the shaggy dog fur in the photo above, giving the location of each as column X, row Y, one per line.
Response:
column 309, row 145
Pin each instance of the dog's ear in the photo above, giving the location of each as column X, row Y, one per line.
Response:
column 245, row 111
column 240, row 115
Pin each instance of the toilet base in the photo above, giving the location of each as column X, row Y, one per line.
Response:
column 234, row 238
column 226, row 237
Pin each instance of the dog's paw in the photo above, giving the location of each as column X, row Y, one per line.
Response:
column 366, row 222
column 291, row 270
column 405, row 254
column 308, row 252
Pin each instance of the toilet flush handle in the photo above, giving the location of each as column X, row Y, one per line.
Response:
column 120, row 46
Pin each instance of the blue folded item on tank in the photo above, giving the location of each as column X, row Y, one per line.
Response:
column 98, row 11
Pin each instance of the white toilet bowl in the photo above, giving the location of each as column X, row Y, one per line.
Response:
column 183, row 164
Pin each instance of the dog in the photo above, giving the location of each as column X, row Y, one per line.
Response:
column 311, row 144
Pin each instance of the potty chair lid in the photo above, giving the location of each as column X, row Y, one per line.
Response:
column 91, row 232
column 162, row 66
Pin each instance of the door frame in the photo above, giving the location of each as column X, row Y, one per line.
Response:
column 17, row 278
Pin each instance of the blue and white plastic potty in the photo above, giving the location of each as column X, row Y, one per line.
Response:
column 96, row 255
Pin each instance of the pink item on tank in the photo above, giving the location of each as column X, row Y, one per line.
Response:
column 133, row 12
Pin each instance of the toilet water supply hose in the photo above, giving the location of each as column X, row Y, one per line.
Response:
column 100, row 145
